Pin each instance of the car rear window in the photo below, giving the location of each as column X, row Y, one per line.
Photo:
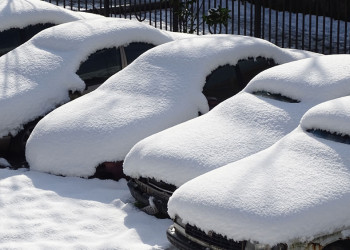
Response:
column 12, row 38
column 275, row 96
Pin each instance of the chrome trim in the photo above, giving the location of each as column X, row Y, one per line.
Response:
column 152, row 189
column 179, row 229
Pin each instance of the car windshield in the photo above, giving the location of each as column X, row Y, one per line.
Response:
column 12, row 38
column 330, row 136
column 275, row 96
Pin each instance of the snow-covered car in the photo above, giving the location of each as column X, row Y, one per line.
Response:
column 267, row 109
column 61, row 63
column 22, row 19
column 161, row 88
column 293, row 195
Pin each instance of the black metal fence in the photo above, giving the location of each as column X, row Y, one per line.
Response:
column 315, row 25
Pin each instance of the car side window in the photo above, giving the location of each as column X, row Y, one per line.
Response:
column 135, row 49
column 342, row 138
column 100, row 66
column 9, row 39
column 12, row 38
column 275, row 96
column 31, row 30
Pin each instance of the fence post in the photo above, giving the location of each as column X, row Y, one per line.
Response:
column 257, row 19
column 176, row 11
column 106, row 8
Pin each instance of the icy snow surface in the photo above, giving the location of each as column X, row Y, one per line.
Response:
column 21, row 13
column 243, row 124
column 41, row 211
column 37, row 76
column 162, row 88
column 296, row 189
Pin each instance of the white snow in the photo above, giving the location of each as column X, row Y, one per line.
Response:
column 37, row 76
column 41, row 211
column 162, row 88
column 295, row 190
column 4, row 163
column 242, row 125
column 21, row 13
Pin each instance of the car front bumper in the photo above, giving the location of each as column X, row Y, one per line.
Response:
column 148, row 195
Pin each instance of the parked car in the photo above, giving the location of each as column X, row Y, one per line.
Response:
column 161, row 88
column 22, row 19
column 293, row 195
column 60, row 64
column 261, row 114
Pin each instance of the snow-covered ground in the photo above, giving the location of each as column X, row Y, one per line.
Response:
column 42, row 211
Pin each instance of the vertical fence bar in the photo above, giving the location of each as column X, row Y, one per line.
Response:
column 316, row 36
column 106, row 8
column 239, row 17
column 303, row 27
column 338, row 31
column 245, row 18
column 323, row 32
column 197, row 16
column 276, row 27
column 310, row 26
column 232, row 17
column 331, row 30
column 346, row 25
column 296, row 30
column 283, row 21
column 203, row 13
column 270, row 20
column 251, row 19
column 290, row 25
column 257, row 19
column 263, row 23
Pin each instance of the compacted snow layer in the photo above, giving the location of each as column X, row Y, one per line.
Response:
column 41, row 211
column 161, row 88
column 242, row 125
column 297, row 189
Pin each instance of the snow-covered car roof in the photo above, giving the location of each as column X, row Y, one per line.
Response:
column 37, row 76
column 21, row 13
column 161, row 88
column 242, row 125
column 295, row 190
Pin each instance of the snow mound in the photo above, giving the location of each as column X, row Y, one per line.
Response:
column 295, row 190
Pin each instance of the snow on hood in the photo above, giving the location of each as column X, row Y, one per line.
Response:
column 162, row 88
column 37, row 76
column 296, row 190
column 21, row 13
column 242, row 125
